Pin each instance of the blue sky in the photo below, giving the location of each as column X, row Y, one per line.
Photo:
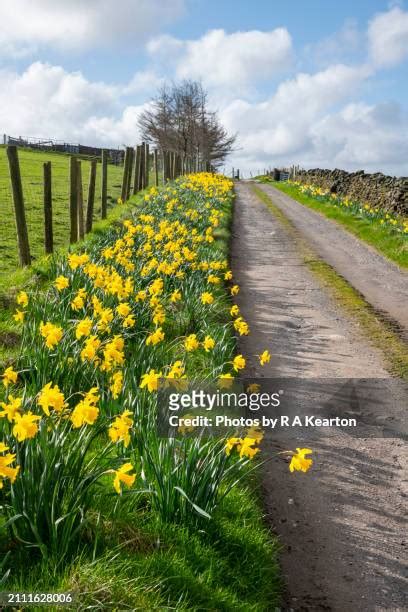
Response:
column 313, row 83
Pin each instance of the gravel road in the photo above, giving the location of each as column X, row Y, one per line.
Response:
column 383, row 284
column 342, row 525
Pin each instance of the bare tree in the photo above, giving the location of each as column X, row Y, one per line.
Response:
column 179, row 120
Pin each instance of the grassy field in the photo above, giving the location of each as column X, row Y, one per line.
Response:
column 385, row 238
column 31, row 164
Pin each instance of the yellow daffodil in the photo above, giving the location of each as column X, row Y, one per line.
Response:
column 247, row 448
column 90, row 349
column 299, row 462
column 51, row 397
column 11, row 408
column 116, row 384
column 119, row 430
column 52, row 334
column 122, row 476
column 18, row 316
column 208, row 343
column 150, row 380
column 175, row 296
column 225, row 381
column 123, row 309
column 264, row 358
column 191, row 343
column 234, row 312
column 155, row 337
column 86, row 412
column 22, row 299
column 238, row 363
column 83, row 328
column 207, row 298
column 253, row 388
column 25, row 426
column 75, row 260
column 61, row 283
column 5, row 470
column 230, row 444
column 9, row 377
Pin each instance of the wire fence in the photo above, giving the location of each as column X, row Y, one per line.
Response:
column 49, row 200
column 31, row 169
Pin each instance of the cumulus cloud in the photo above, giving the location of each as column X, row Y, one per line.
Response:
column 79, row 24
column 363, row 136
column 227, row 60
column 47, row 101
column 388, row 37
column 301, row 124
column 358, row 136
column 280, row 124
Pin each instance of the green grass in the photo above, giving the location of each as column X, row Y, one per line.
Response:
column 378, row 331
column 143, row 564
column 385, row 240
column 31, row 165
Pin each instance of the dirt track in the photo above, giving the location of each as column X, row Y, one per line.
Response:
column 382, row 283
column 342, row 524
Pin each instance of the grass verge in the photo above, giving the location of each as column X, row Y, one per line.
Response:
column 385, row 240
column 377, row 330
column 124, row 551
column 146, row 565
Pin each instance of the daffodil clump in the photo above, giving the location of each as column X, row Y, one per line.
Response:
column 146, row 302
column 375, row 214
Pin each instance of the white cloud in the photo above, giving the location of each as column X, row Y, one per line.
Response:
column 388, row 37
column 363, row 136
column 47, row 101
column 227, row 60
column 145, row 82
column 358, row 136
column 80, row 24
column 301, row 124
column 280, row 125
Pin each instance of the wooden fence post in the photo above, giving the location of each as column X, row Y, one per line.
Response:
column 136, row 170
column 104, row 184
column 73, row 198
column 80, row 202
column 156, row 168
column 125, row 175
column 19, row 210
column 147, row 166
column 48, row 234
column 129, row 174
column 91, row 197
column 142, row 165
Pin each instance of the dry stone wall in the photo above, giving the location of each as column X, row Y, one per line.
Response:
column 387, row 192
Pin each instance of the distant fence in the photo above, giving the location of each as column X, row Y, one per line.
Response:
column 138, row 166
column 115, row 156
